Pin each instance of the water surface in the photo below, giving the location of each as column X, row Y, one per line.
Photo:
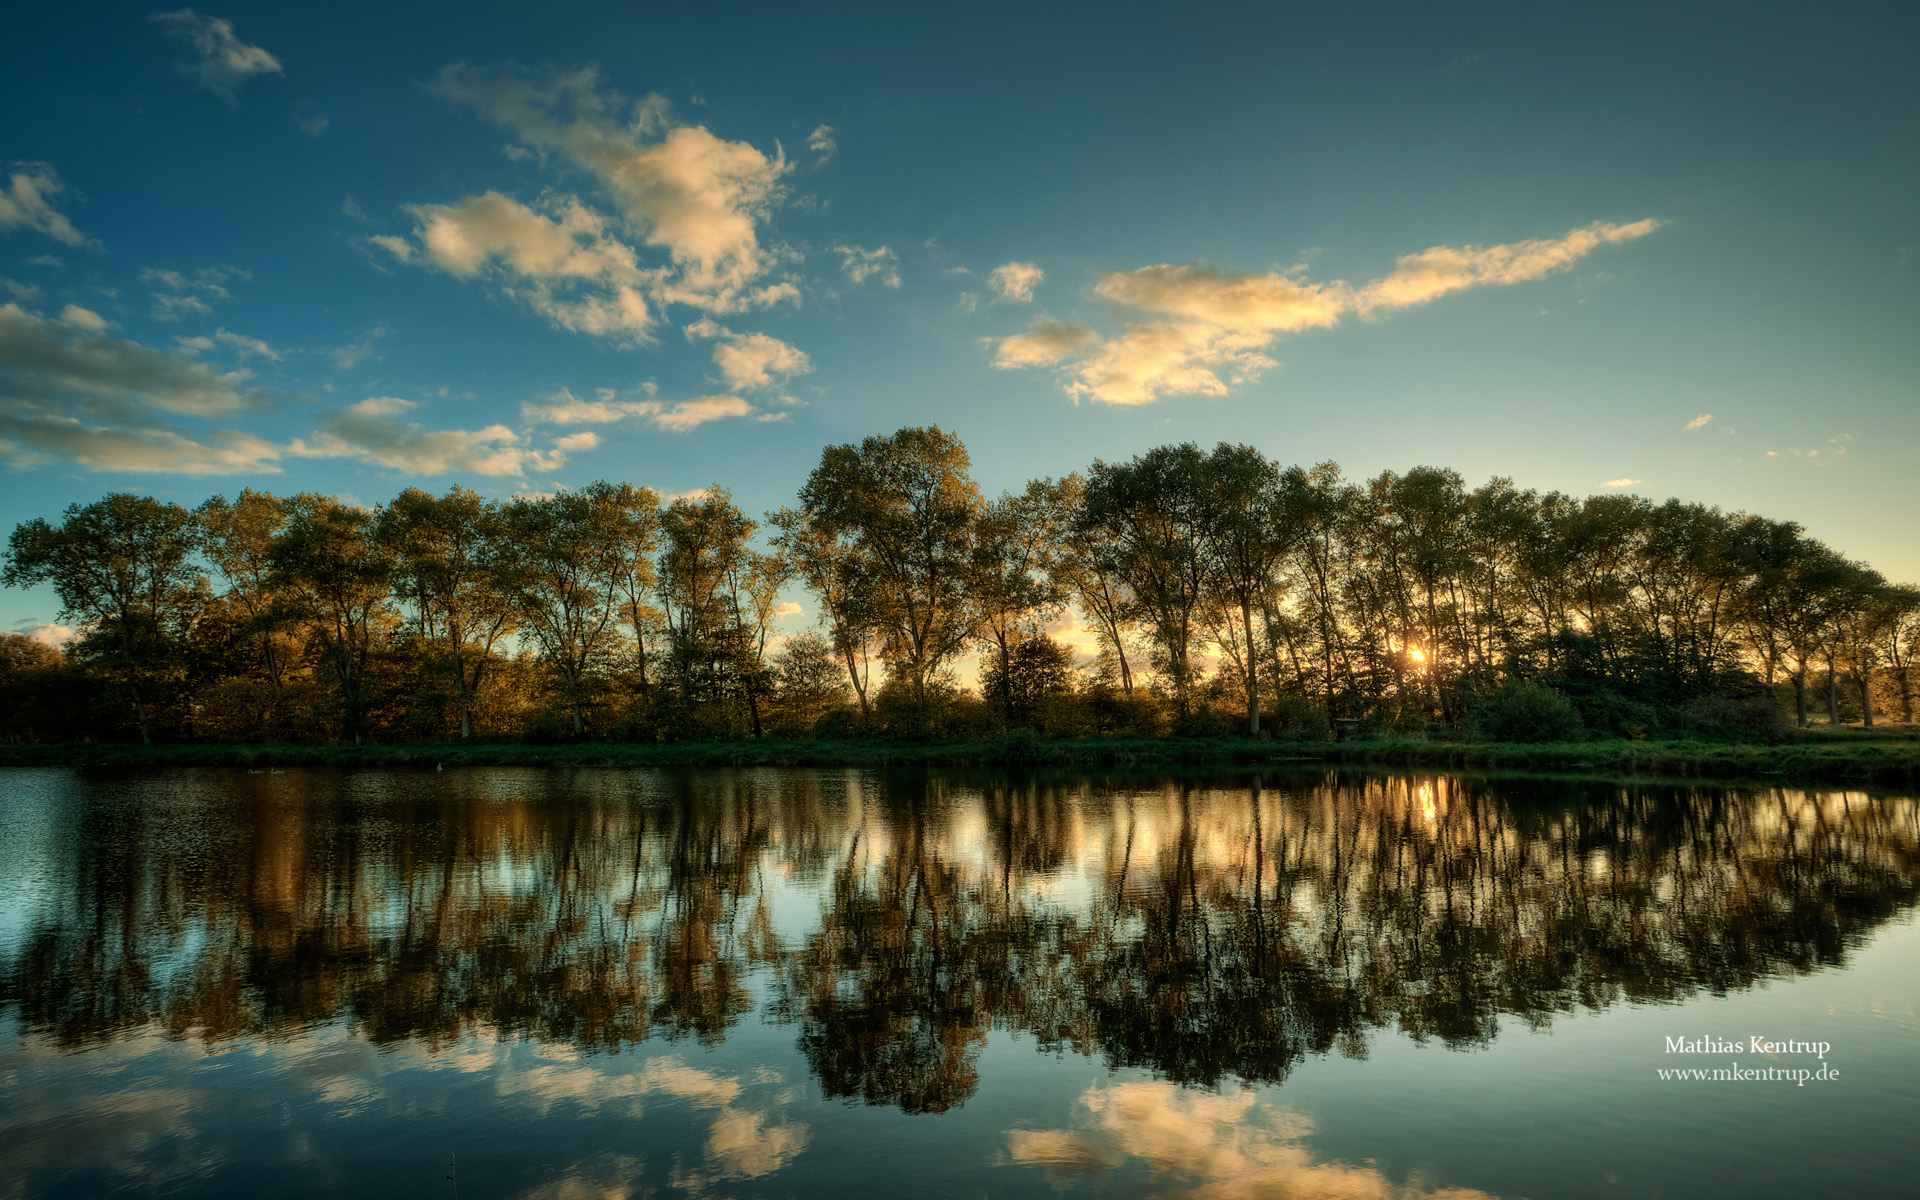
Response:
column 790, row 982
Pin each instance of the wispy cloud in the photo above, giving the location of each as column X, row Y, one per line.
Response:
column 1835, row 448
column 375, row 431
column 1620, row 483
column 221, row 62
column 176, row 295
column 71, row 391
column 821, row 142
column 1199, row 329
column 564, row 408
column 861, row 264
column 1015, row 281
column 1700, row 422
column 26, row 202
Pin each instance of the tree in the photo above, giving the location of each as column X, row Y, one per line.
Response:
column 1015, row 595
column 831, row 571
column 122, row 567
column 338, row 576
column 903, row 511
column 451, row 565
column 566, row 564
column 1254, row 514
column 237, row 538
column 1144, row 522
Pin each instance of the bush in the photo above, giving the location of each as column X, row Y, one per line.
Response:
column 1755, row 717
column 1526, row 711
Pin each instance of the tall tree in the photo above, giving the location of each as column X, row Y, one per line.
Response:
column 567, row 560
column 904, row 510
column 339, row 577
column 452, row 567
column 1254, row 514
column 123, row 567
column 237, row 538
column 1146, row 522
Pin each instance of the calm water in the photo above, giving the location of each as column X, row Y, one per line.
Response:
column 817, row 983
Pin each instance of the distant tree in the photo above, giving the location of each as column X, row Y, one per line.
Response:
column 830, row 569
column 808, row 681
column 123, row 569
column 1015, row 593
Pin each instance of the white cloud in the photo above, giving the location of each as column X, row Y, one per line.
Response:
column 1220, row 1147
column 862, row 264
column 26, row 202
column 47, row 633
column 821, row 142
column 687, row 192
column 586, row 439
column 83, row 318
column 315, row 125
column 564, row 408
column 1700, row 422
column 223, row 62
column 1418, row 278
column 690, row 414
column 751, row 361
column 566, row 266
column 1015, row 281
column 1201, row 330
column 1620, row 483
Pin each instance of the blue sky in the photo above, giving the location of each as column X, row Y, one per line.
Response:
column 353, row 249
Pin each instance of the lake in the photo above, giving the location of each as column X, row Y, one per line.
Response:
column 573, row 983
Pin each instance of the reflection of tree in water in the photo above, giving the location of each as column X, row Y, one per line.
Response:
column 1204, row 933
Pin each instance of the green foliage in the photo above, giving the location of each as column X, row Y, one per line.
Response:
column 1527, row 711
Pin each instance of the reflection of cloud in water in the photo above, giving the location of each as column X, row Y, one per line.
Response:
column 143, row 1133
column 742, row 1146
column 742, row 1142
column 1208, row 1147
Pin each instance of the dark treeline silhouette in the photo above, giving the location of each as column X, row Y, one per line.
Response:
column 1206, row 933
column 1221, row 590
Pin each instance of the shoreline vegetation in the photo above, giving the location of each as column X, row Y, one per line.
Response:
column 1889, row 758
column 1185, row 606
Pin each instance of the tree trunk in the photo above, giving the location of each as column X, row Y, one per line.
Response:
column 1253, row 670
column 1800, row 696
column 1866, row 699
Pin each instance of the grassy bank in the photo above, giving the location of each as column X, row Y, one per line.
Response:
column 1838, row 757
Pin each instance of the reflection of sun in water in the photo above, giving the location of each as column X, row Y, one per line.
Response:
column 1427, row 807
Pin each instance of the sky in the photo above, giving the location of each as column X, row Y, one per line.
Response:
column 1669, row 249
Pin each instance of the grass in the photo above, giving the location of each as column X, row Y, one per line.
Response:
column 1892, row 757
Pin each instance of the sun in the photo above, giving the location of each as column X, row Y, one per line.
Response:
column 1416, row 654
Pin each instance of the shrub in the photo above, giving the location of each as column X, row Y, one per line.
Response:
column 1526, row 711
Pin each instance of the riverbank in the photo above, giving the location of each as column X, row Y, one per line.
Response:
column 1890, row 759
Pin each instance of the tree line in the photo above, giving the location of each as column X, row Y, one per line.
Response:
column 1221, row 589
